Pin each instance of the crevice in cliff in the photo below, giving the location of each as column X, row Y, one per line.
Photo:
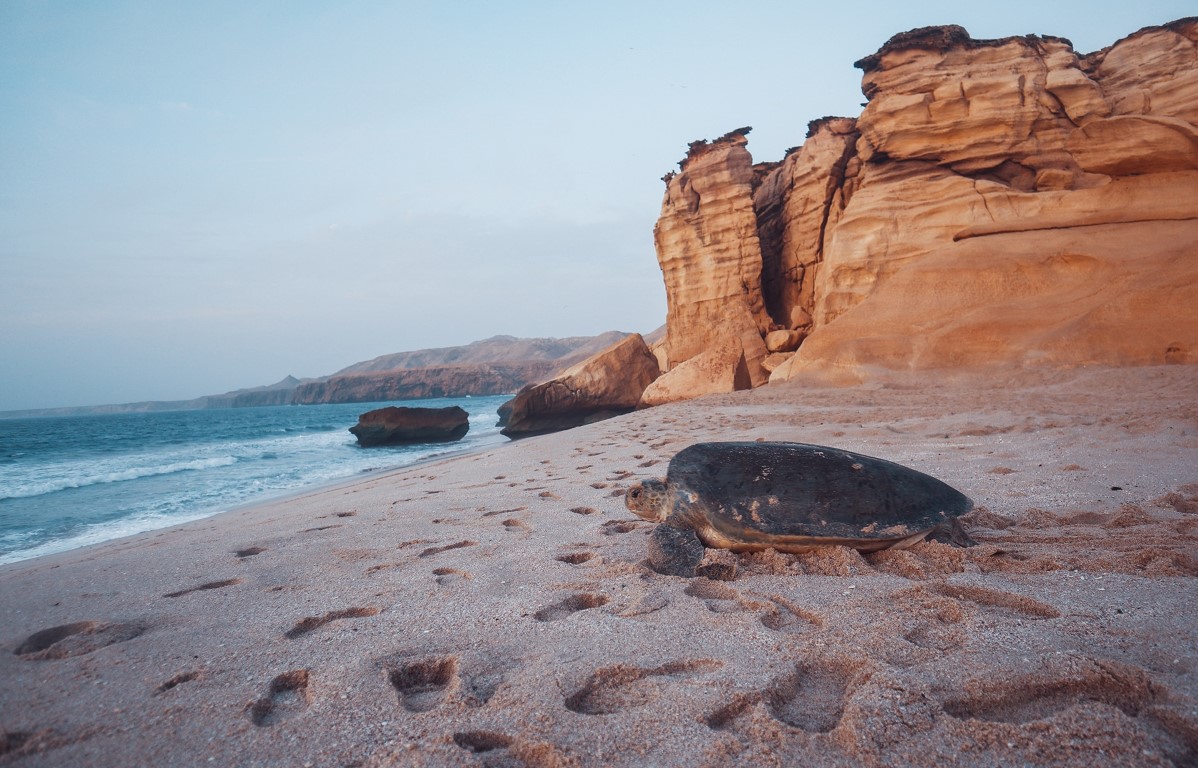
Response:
column 985, row 202
column 768, row 205
column 835, row 184
column 784, row 273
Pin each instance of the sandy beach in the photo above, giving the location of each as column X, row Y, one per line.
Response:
column 494, row 608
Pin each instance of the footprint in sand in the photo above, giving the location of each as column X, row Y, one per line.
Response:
column 812, row 697
column 516, row 526
column 77, row 639
column 177, row 680
column 449, row 576
column 481, row 741
column 316, row 622
column 570, row 605
column 643, row 605
column 249, row 552
column 494, row 512
column 583, row 510
column 478, row 686
column 723, row 717
column 613, row 527
column 422, row 685
column 620, row 687
column 996, row 601
column 288, row 696
column 209, row 585
column 496, row 749
column 1029, row 698
column 576, row 558
column 716, row 596
column 781, row 615
column 438, row 550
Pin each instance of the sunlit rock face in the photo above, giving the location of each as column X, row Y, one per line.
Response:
column 606, row 384
column 997, row 202
column 710, row 256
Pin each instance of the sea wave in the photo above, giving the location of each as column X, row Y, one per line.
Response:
column 46, row 485
column 93, row 534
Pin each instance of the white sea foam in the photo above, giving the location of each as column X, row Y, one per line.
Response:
column 97, row 533
column 51, row 479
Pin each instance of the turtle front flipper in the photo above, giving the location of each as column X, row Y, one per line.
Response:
column 675, row 551
column 952, row 532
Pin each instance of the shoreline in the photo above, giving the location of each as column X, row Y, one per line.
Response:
column 267, row 498
column 493, row 607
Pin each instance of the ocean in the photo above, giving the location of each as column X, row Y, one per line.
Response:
column 67, row 482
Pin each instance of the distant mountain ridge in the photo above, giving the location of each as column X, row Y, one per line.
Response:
column 497, row 349
column 493, row 366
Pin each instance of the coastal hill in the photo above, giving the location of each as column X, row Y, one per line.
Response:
column 492, row 366
column 998, row 203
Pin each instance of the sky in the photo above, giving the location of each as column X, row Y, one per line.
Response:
column 199, row 197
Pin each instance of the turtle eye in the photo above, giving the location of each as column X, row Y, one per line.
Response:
column 635, row 493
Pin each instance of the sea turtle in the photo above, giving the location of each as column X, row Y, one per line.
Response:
column 791, row 497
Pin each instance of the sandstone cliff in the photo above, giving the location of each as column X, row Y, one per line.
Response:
column 997, row 202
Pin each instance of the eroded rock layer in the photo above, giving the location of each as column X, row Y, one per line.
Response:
column 604, row 385
column 997, row 202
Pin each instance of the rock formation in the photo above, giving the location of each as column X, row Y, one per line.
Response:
column 709, row 253
column 605, row 385
column 997, row 202
column 714, row 371
column 396, row 425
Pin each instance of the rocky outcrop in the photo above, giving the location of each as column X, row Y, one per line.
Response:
column 717, row 370
column 395, row 425
column 997, row 202
column 605, row 385
column 710, row 256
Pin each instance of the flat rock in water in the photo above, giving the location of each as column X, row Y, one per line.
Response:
column 397, row 425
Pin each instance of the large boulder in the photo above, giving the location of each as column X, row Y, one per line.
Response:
column 397, row 425
column 718, row 370
column 602, row 386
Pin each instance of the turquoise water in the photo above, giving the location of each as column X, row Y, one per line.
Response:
column 67, row 482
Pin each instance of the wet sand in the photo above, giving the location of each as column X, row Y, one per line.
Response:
column 494, row 608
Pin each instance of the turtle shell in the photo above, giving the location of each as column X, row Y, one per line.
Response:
column 750, row 493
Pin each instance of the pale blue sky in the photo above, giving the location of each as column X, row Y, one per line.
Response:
column 196, row 197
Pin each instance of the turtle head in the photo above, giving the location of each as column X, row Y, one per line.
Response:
column 648, row 500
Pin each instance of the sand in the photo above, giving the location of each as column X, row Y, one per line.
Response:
column 494, row 608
